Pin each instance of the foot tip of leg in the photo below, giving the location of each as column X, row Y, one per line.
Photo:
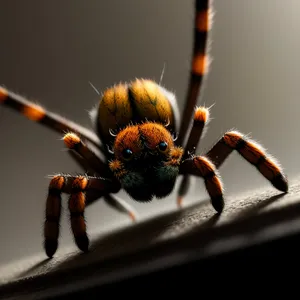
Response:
column 218, row 204
column 82, row 243
column 50, row 247
column 281, row 183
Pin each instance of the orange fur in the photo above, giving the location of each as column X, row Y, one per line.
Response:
column 154, row 133
column 78, row 226
column 201, row 114
column 71, row 140
column 53, row 211
column 203, row 21
column 53, row 203
column 252, row 152
column 53, row 206
column 200, row 64
column 175, row 156
column 116, row 165
column 76, row 208
column 214, row 186
column 128, row 138
column 34, row 112
column 77, row 202
column 269, row 169
column 57, row 182
column 232, row 138
column 176, row 152
column 3, row 94
column 117, row 168
column 80, row 182
column 204, row 165
column 212, row 181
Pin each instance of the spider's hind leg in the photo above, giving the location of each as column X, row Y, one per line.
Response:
column 253, row 153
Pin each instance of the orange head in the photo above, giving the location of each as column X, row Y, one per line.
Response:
column 141, row 156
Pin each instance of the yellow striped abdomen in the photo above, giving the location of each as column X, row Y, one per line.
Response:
column 139, row 101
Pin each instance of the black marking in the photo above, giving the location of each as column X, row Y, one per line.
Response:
column 279, row 182
column 77, row 146
column 262, row 159
column 53, row 191
column 202, row 5
column 77, row 214
column 198, row 122
column 210, row 175
column 77, row 189
column 218, row 203
column 135, row 115
column 195, row 81
column 82, row 242
column 240, row 144
column 52, row 219
column 50, row 246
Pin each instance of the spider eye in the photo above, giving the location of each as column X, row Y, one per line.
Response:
column 127, row 154
column 162, row 147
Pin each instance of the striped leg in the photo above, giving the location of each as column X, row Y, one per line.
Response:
column 201, row 118
column 199, row 64
column 39, row 114
column 74, row 143
column 203, row 167
column 253, row 153
column 76, row 186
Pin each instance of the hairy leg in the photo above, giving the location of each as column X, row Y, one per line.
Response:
column 199, row 66
column 253, row 153
column 202, row 167
column 76, row 187
column 89, row 158
column 201, row 118
column 49, row 119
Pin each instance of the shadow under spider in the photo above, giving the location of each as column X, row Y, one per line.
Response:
column 255, row 208
column 37, row 267
column 149, row 232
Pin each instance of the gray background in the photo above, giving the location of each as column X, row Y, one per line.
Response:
column 51, row 49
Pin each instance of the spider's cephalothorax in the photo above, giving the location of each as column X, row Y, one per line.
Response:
column 146, row 161
column 135, row 147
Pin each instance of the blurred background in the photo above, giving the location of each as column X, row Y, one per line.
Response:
column 50, row 50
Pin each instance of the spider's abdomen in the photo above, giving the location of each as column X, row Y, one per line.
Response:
column 140, row 100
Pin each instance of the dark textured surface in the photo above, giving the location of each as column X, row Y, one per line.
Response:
column 193, row 233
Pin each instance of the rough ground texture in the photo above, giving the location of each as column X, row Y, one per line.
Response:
column 194, row 232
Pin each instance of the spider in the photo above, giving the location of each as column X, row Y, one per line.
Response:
column 135, row 146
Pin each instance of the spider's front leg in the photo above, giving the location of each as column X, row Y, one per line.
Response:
column 85, row 156
column 253, row 153
column 78, row 188
column 201, row 166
